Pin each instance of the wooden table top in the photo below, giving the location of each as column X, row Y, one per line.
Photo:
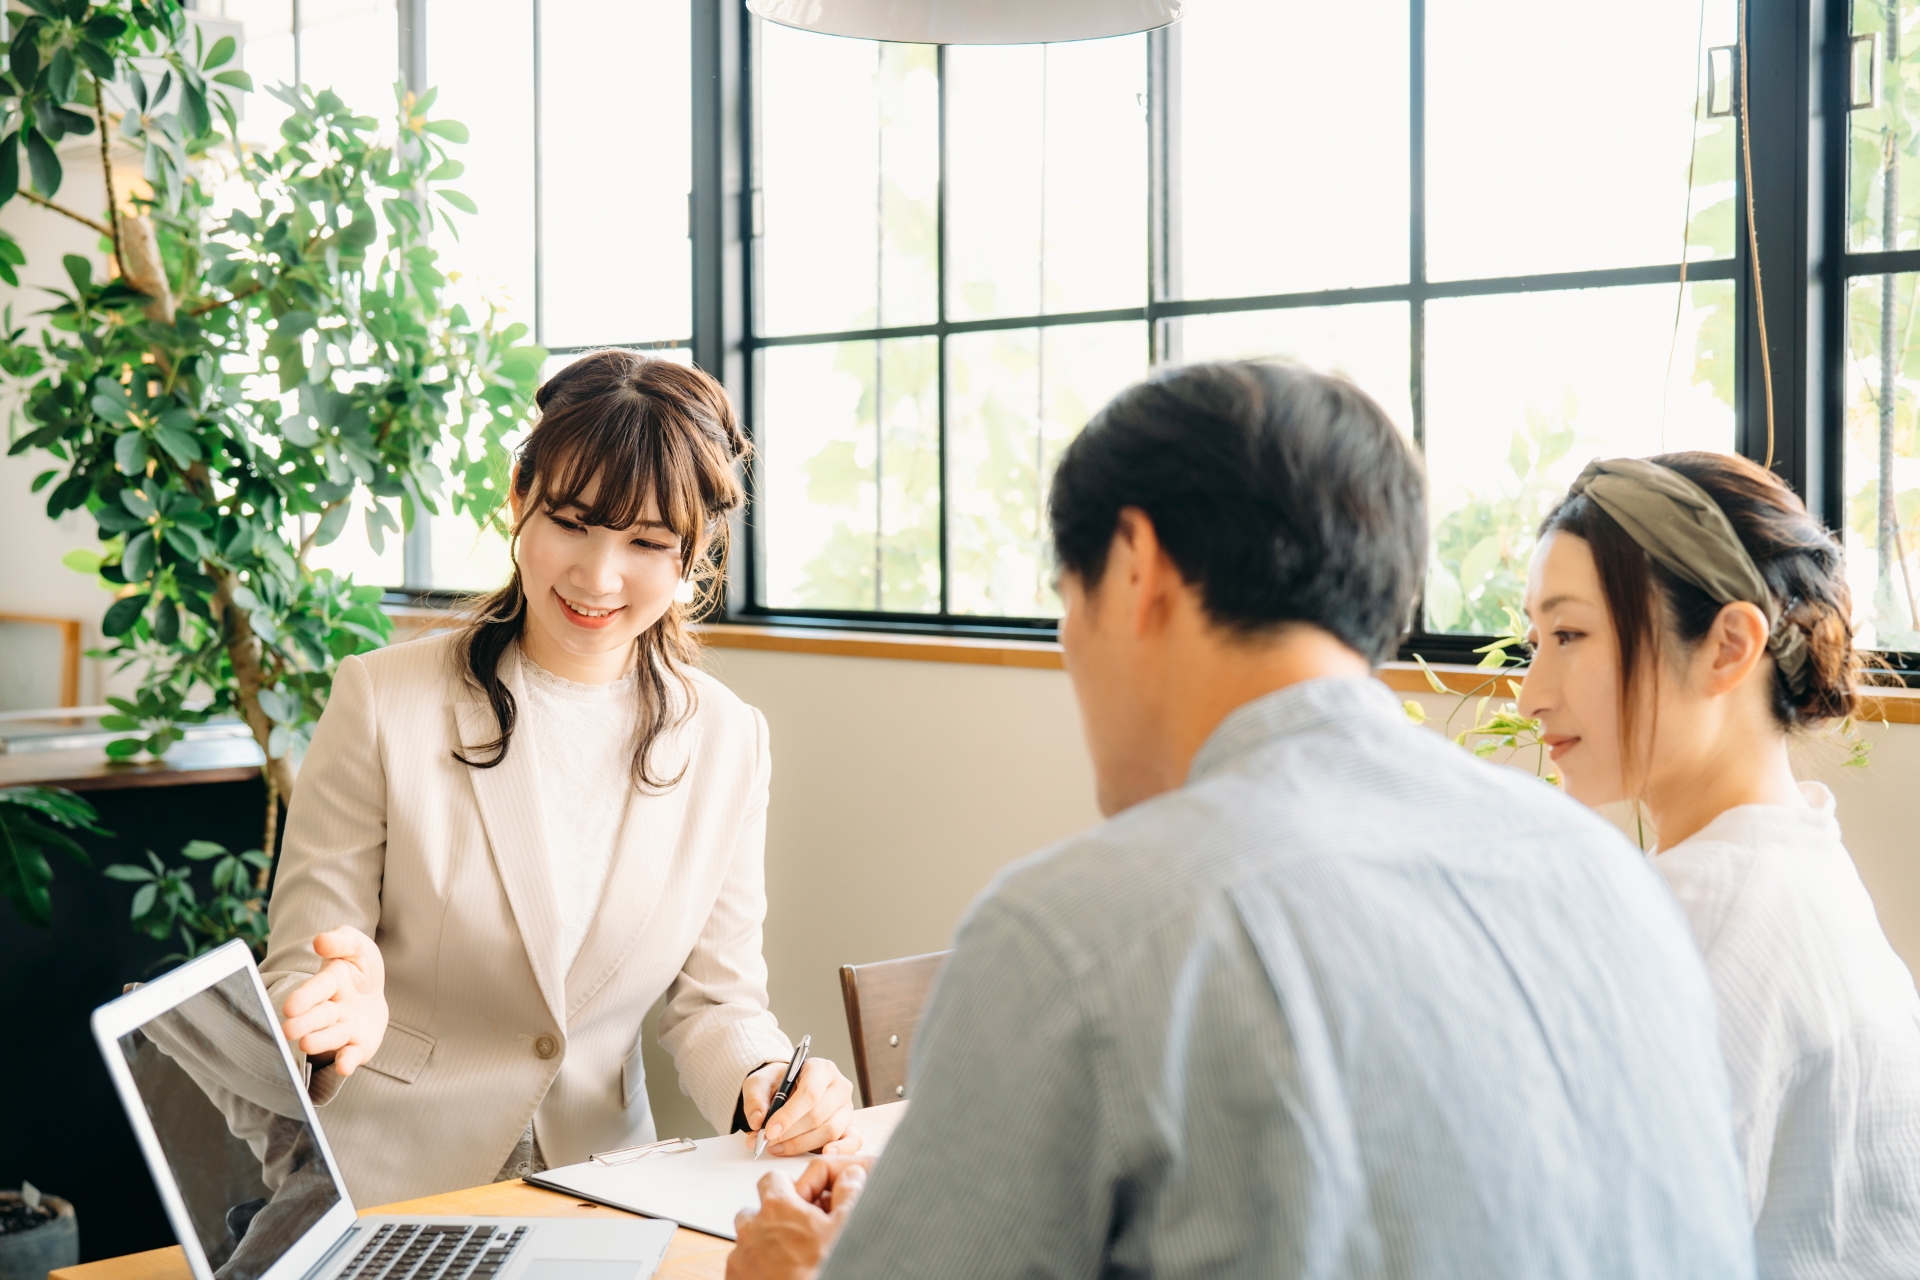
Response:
column 692, row 1255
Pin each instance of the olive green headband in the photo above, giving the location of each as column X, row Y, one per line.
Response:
column 1681, row 527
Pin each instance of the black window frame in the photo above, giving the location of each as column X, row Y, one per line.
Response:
column 1797, row 70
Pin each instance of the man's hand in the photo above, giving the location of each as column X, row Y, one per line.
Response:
column 816, row 1115
column 787, row 1238
column 341, row 1010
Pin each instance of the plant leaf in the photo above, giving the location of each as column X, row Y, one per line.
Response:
column 138, row 559
column 121, row 617
column 331, row 524
column 44, row 165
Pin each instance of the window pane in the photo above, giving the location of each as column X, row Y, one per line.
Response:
column 1514, row 410
column 1883, row 458
column 849, row 178
column 1280, row 99
column 268, row 58
column 1017, row 397
column 480, row 57
column 353, row 48
column 467, row 557
column 616, row 162
column 1367, row 344
column 1882, row 135
column 850, row 496
column 1543, row 156
column 353, row 553
column 1047, row 178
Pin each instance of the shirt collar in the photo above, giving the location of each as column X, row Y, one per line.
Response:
column 1349, row 702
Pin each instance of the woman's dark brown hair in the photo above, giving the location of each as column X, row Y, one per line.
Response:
column 1799, row 559
column 645, row 430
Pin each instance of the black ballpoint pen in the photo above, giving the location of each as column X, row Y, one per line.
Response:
column 780, row 1095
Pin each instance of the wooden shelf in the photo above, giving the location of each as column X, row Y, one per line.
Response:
column 88, row 769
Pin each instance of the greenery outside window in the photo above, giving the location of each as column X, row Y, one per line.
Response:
column 1524, row 228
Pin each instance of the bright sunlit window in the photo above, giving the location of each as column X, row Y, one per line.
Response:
column 1225, row 188
column 927, row 267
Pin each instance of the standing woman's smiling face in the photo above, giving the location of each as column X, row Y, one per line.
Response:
column 591, row 591
column 1572, row 685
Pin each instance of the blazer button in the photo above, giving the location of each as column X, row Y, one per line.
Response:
column 546, row 1046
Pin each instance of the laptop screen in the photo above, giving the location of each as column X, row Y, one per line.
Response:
column 212, row 1078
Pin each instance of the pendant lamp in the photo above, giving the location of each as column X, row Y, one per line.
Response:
column 972, row 21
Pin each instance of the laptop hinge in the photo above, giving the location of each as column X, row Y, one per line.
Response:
column 317, row 1269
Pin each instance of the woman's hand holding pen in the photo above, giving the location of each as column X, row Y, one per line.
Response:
column 342, row 1010
column 818, row 1115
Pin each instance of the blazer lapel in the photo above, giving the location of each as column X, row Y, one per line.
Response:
column 509, row 799
column 642, row 860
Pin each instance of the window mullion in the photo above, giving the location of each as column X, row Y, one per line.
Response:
column 1164, row 280
column 940, row 320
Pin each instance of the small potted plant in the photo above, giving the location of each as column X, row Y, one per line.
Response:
column 38, row 1234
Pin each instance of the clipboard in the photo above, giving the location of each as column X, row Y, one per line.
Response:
column 700, row 1184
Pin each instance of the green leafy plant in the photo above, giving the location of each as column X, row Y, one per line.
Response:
column 1478, row 572
column 1502, row 728
column 270, row 351
column 25, row 840
column 166, row 905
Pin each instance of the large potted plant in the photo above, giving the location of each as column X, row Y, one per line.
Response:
column 222, row 398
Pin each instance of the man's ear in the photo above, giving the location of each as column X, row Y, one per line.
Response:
column 1142, row 566
column 1734, row 646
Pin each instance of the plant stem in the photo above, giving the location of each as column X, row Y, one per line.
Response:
column 306, row 543
column 243, row 652
column 106, row 172
column 269, row 837
column 215, row 305
column 61, row 209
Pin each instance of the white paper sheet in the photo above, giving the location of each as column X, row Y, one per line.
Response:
column 703, row 1188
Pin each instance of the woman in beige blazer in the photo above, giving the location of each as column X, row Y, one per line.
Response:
column 509, row 842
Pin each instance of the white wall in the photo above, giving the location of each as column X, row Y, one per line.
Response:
column 899, row 788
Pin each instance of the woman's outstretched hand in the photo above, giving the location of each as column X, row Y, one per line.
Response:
column 342, row 1010
column 816, row 1116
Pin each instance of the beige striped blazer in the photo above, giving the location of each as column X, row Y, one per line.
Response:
column 446, row 867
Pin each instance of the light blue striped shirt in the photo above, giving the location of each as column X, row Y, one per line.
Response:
column 1350, row 1003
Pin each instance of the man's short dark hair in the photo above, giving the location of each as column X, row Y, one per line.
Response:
column 1283, row 495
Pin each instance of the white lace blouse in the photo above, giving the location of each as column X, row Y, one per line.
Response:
column 1820, row 1026
column 583, row 738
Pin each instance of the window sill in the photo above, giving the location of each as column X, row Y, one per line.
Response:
column 1044, row 654
column 1892, row 706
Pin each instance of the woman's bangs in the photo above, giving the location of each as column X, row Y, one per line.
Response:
column 611, row 484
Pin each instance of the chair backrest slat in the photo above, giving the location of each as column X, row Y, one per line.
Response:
column 884, row 1002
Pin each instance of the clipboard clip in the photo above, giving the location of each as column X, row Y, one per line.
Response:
column 627, row 1155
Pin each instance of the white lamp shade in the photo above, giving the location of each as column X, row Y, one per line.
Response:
column 972, row 21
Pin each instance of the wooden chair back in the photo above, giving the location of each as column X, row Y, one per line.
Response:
column 884, row 1003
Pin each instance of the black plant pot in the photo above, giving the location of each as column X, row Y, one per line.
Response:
column 30, row 1254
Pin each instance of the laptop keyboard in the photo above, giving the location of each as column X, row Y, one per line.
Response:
column 424, row 1251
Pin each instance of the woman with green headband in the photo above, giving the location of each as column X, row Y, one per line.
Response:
column 1688, row 617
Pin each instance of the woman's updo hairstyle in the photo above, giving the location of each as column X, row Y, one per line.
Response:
column 634, row 429
column 1799, row 559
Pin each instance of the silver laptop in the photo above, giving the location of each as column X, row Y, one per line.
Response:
column 254, row 1193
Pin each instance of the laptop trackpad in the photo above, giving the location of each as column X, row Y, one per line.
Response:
column 583, row 1269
